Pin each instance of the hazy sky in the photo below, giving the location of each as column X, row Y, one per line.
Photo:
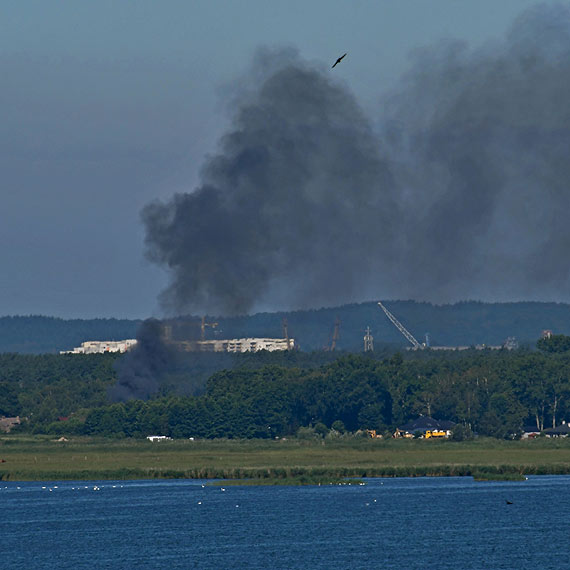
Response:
column 108, row 105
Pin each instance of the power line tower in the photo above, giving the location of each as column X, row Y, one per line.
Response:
column 368, row 341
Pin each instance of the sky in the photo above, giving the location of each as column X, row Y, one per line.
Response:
column 108, row 106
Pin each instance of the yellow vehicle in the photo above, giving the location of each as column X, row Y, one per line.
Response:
column 372, row 433
column 435, row 433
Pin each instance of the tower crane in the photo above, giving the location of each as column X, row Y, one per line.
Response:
column 331, row 347
column 203, row 326
column 336, row 334
column 285, row 327
column 407, row 334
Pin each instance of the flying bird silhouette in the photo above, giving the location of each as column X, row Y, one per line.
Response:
column 338, row 60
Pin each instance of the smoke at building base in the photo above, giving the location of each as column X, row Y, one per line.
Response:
column 163, row 362
column 140, row 370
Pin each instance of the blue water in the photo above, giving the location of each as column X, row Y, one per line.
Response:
column 388, row 523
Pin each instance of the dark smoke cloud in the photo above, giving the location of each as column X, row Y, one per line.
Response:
column 463, row 194
column 480, row 141
column 140, row 370
column 157, row 366
column 295, row 209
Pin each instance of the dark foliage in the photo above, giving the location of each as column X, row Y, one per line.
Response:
column 554, row 343
column 268, row 395
column 51, row 388
column 492, row 393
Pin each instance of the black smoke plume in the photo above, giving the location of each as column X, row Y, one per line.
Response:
column 462, row 193
column 480, row 144
column 139, row 371
column 158, row 365
column 297, row 207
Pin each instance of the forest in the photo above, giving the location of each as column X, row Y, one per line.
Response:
column 39, row 334
column 487, row 392
column 464, row 323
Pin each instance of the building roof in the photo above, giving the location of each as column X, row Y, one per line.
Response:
column 424, row 423
column 6, row 424
column 563, row 429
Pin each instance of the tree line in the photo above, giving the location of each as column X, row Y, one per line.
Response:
column 493, row 393
column 41, row 335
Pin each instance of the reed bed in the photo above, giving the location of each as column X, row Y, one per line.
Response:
column 42, row 458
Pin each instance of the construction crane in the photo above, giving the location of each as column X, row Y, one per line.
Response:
column 407, row 334
column 203, row 326
column 336, row 335
column 285, row 327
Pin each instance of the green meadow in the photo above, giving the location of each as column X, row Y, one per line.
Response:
column 37, row 458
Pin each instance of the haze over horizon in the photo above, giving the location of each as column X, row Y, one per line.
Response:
column 431, row 163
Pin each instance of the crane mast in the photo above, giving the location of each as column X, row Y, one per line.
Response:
column 336, row 334
column 203, row 326
column 407, row 334
column 331, row 346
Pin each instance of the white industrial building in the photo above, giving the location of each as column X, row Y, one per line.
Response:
column 102, row 346
column 228, row 345
column 235, row 345
column 246, row 345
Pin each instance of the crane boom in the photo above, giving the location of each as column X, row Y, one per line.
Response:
column 409, row 336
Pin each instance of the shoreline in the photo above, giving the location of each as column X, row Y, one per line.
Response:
column 297, row 477
column 38, row 458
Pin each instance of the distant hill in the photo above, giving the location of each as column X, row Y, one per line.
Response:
column 37, row 335
column 464, row 323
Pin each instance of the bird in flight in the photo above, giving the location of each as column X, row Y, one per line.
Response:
column 338, row 60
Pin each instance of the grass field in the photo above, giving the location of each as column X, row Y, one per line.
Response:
column 36, row 458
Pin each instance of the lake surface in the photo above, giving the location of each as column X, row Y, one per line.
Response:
column 388, row 523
